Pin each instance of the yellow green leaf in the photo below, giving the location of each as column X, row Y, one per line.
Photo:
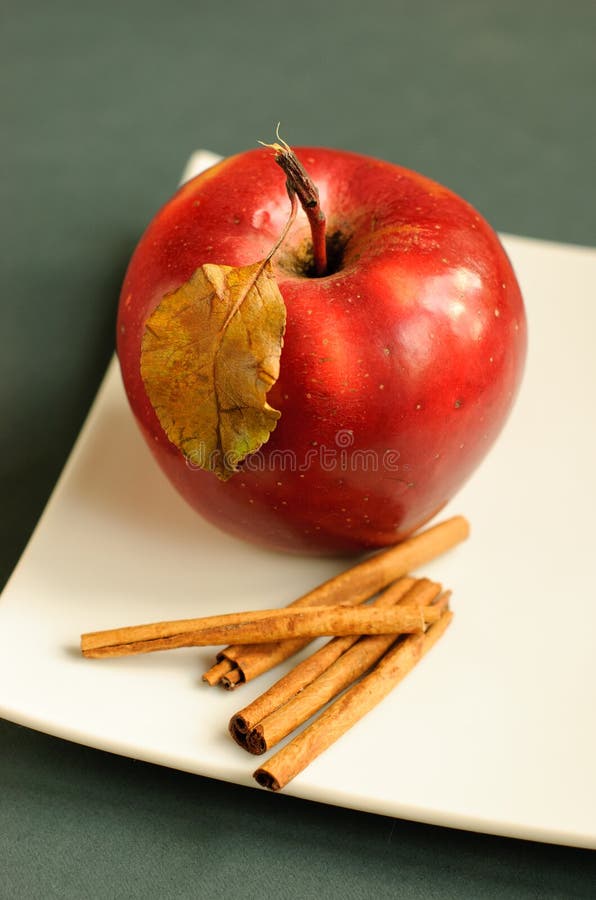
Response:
column 210, row 353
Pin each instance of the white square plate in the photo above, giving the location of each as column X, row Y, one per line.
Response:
column 494, row 731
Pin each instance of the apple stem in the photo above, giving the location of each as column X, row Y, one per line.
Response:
column 300, row 184
column 318, row 225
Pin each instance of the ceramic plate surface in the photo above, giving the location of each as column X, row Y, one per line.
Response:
column 494, row 731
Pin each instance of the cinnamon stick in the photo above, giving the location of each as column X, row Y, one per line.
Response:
column 244, row 721
column 254, row 627
column 352, row 586
column 342, row 673
column 218, row 672
column 349, row 708
column 250, row 660
column 230, row 680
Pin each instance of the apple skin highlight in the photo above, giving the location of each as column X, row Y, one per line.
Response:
column 399, row 367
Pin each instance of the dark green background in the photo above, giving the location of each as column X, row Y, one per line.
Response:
column 101, row 105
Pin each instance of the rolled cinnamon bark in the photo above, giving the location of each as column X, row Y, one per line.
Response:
column 256, row 626
column 349, row 708
column 257, row 659
column 354, row 663
column 306, row 671
column 353, row 586
column 218, row 672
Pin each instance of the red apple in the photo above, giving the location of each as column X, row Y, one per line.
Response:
column 399, row 365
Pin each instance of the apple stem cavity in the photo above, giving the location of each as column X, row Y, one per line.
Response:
column 300, row 184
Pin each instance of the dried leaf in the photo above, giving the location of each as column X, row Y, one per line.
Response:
column 210, row 353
